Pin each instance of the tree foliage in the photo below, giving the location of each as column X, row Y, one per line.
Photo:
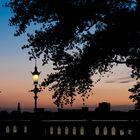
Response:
column 81, row 38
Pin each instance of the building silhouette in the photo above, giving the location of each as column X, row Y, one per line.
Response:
column 103, row 107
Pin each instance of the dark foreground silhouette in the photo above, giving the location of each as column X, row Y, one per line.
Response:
column 63, row 124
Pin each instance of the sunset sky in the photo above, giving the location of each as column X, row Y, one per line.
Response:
column 16, row 78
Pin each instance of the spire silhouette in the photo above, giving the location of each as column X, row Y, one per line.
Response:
column 18, row 107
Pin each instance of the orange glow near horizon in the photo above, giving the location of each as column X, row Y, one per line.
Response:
column 17, row 90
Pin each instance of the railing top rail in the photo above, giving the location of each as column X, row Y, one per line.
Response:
column 84, row 120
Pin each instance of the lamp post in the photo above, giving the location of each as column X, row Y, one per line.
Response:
column 35, row 75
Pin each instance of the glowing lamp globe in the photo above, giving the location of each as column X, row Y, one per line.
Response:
column 35, row 75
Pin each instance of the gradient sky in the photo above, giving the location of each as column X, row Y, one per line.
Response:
column 16, row 78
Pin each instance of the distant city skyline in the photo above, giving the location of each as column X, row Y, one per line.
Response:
column 124, row 108
column 16, row 78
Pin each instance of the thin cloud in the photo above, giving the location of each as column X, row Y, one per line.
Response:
column 126, row 79
column 112, row 81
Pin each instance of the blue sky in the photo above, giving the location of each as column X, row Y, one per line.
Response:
column 15, row 66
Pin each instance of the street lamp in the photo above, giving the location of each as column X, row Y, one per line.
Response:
column 35, row 74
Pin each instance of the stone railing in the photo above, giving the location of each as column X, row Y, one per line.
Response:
column 71, row 128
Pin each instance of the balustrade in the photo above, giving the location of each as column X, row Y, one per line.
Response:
column 69, row 128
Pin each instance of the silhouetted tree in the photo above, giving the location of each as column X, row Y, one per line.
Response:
column 136, row 95
column 81, row 38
